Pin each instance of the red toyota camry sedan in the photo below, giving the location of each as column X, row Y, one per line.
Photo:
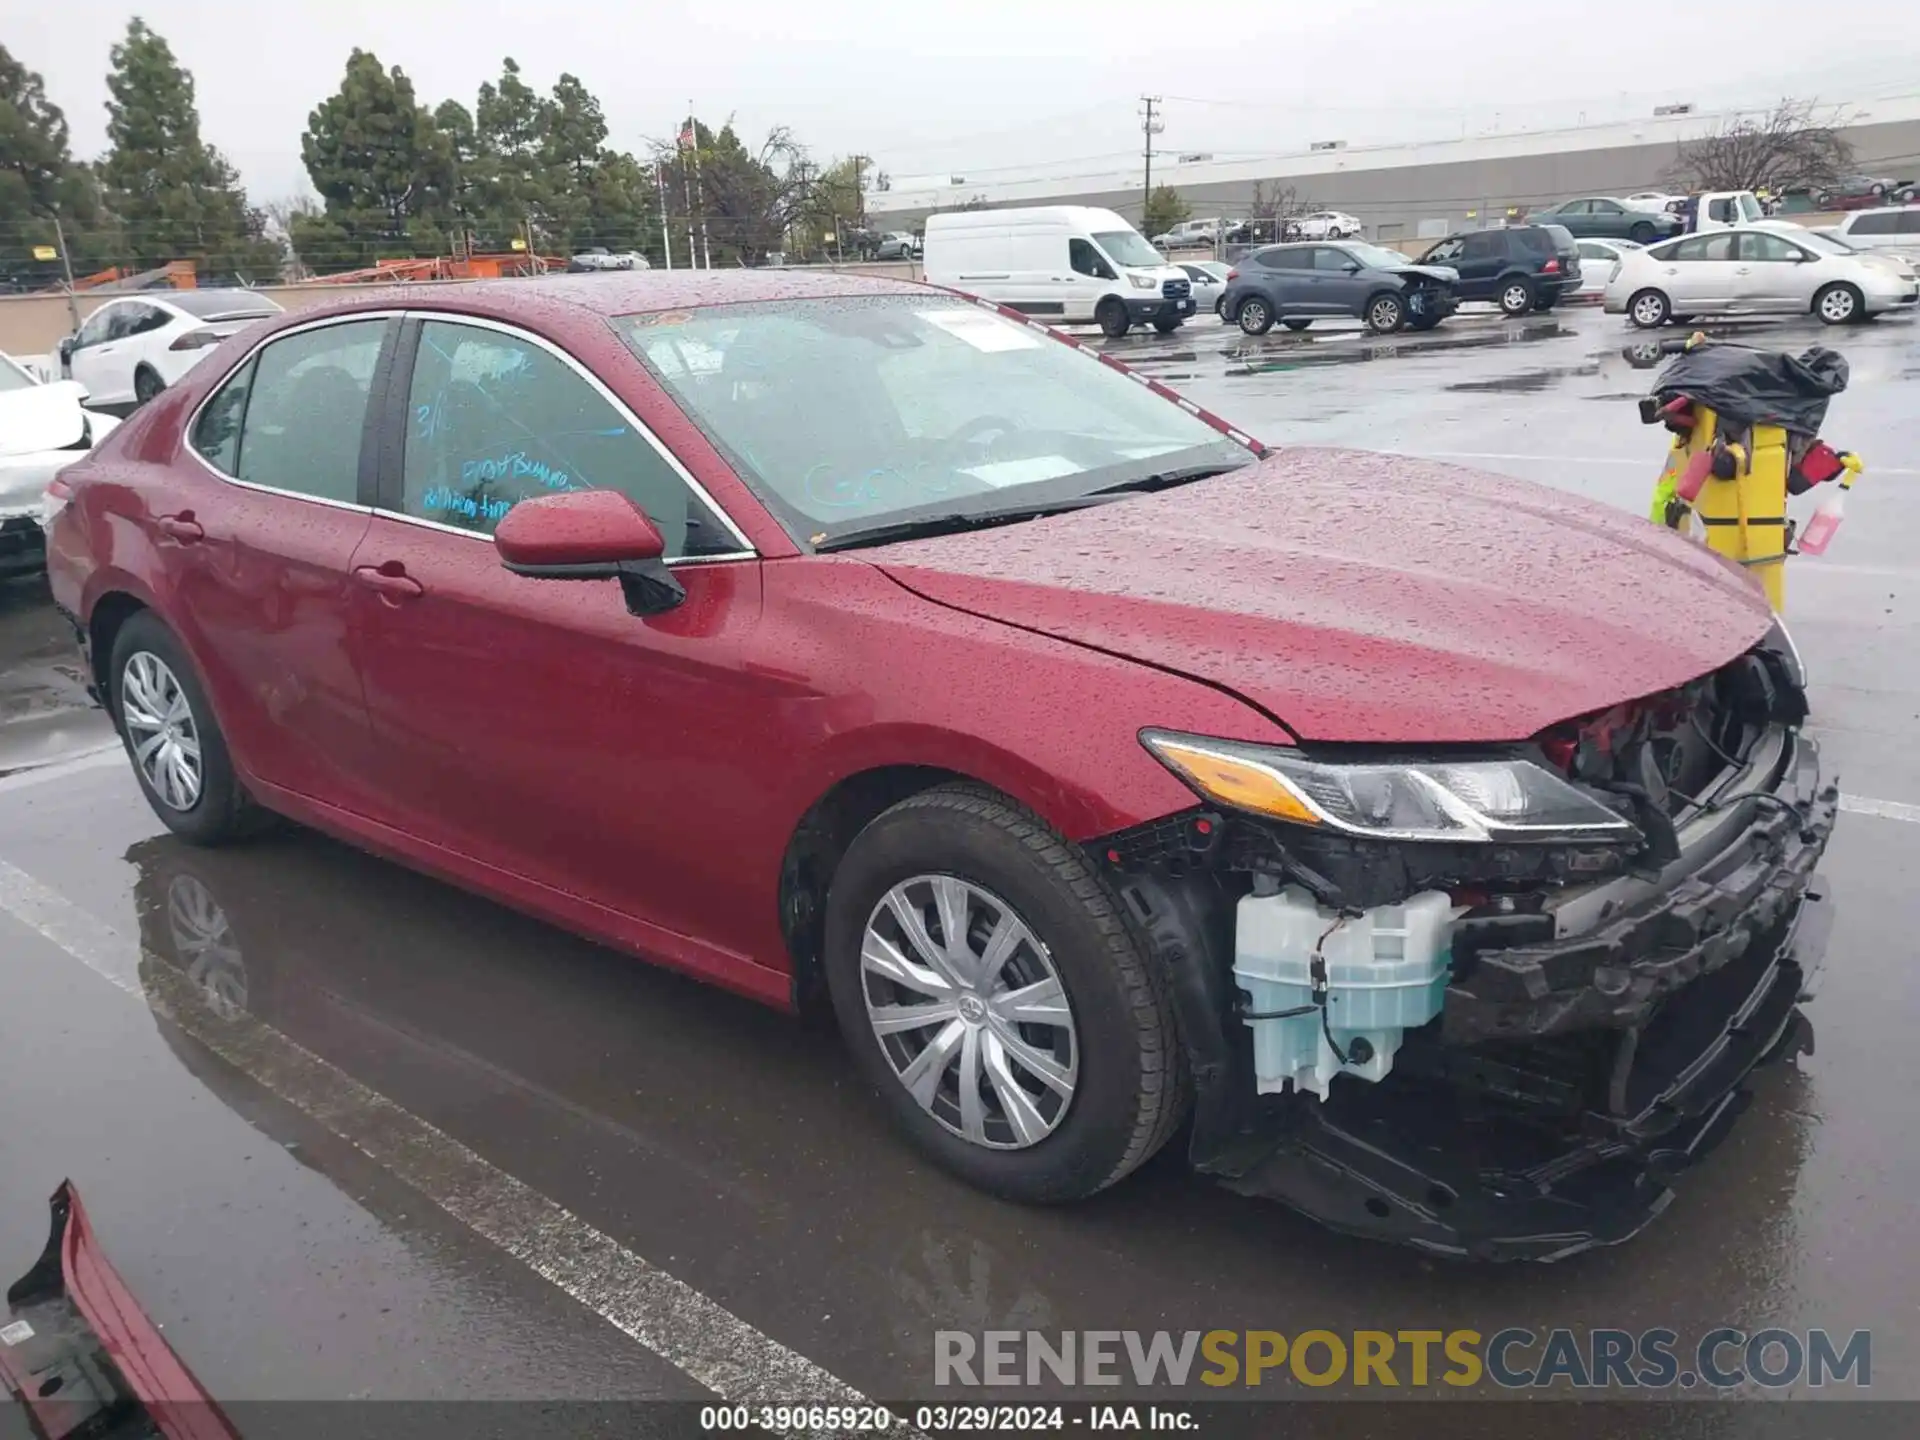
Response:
column 1433, row 853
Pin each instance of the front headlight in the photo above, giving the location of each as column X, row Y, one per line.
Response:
column 1143, row 282
column 1511, row 801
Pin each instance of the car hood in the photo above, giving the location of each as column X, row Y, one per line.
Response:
column 1445, row 274
column 41, row 417
column 1364, row 597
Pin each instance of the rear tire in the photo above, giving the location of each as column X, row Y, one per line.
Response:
column 146, row 385
column 1296, row 325
column 1649, row 309
column 1255, row 316
column 161, row 710
column 1839, row 304
column 1423, row 322
column 1545, row 303
column 1516, row 298
column 1112, row 318
column 1109, row 1037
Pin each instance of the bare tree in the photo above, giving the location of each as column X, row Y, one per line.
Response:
column 1271, row 210
column 1792, row 147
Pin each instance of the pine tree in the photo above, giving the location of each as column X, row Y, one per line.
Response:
column 39, row 180
column 176, row 196
column 384, row 170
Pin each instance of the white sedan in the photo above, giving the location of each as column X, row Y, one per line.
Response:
column 134, row 346
column 1209, row 279
column 42, row 431
column 1597, row 259
column 1324, row 225
column 1748, row 270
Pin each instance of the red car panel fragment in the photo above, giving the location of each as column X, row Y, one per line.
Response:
column 80, row 1353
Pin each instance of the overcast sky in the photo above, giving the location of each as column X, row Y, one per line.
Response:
column 977, row 87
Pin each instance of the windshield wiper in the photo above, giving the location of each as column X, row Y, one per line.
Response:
column 954, row 521
column 1167, row 479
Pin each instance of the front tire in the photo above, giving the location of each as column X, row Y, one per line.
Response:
column 1641, row 233
column 1166, row 327
column 168, row 727
column 990, row 986
column 1111, row 315
column 1839, row 304
column 1255, row 316
column 1516, row 299
column 1296, row 325
column 1424, row 322
column 1386, row 314
column 1649, row 309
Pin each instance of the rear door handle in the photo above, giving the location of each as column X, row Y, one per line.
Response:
column 182, row 528
column 389, row 581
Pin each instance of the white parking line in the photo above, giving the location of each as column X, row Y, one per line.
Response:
column 700, row 1337
column 1884, row 809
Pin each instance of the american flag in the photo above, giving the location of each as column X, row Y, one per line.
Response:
column 687, row 141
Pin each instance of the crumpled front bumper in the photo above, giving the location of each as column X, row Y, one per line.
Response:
column 1585, row 1054
column 1614, row 975
column 1427, row 1165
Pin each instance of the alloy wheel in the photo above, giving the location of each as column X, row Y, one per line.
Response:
column 1837, row 306
column 1649, row 311
column 969, row 1010
column 161, row 730
column 1516, row 299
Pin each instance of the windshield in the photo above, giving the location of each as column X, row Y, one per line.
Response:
column 222, row 304
column 1125, row 247
column 1750, row 208
column 1376, row 257
column 846, row 412
column 13, row 376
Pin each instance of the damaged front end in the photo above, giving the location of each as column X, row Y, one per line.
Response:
column 1489, row 1004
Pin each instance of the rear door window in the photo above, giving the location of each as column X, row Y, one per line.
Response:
column 1287, row 257
column 306, row 411
column 1886, row 224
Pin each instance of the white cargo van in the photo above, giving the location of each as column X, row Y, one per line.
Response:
column 1064, row 263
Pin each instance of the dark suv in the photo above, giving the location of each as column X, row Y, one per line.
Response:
column 1519, row 267
column 1297, row 284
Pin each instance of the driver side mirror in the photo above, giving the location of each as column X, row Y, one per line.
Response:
column 1352, row 267
column 590, row 535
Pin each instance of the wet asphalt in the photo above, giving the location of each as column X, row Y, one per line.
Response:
column 733, row 1147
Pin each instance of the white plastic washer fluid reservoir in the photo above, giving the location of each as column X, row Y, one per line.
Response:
column 1387, row 973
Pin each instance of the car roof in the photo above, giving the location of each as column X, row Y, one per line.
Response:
column 620, row 292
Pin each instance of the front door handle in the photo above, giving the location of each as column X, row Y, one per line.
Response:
column 389, row 581
column 182, row 528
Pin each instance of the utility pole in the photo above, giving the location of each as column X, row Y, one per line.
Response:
column 66, row 265
column 1152, row 125
column 666, row 228
column 859, row 192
